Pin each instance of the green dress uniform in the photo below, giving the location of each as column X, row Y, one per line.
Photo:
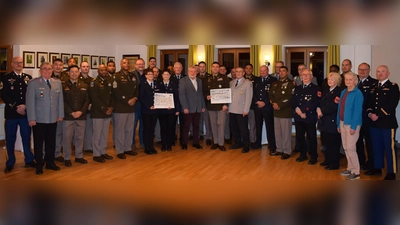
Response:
column 87, row 145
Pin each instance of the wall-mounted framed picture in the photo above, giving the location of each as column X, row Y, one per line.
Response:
column 41, row 58
column 64, row 58
column 111, row 58
column 86, row 58
column 103, row 60
column 132, row 60
column 53, row 56
column 77, row 58
column 29, row 59
column 95, row 61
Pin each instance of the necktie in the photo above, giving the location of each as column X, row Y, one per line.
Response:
column 263, row 80
column 48, row 83
column 151, row 85
column 379, row 85
column 74, row 84
column 304, row 86
column 237, row 82
column 166, row 85
column 179, row 77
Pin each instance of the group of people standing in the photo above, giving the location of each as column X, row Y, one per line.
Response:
column 69, row 109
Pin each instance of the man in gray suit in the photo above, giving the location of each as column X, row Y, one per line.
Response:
column 242, row 95
column 44, row 107
column 192, row 102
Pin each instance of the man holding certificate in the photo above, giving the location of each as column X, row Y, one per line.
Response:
column 216, row 111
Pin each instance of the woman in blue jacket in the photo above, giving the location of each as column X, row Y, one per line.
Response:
column 349, row 120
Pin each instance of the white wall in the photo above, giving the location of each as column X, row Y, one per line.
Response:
column 357, row 54
column 130, row 50
column 98, row 50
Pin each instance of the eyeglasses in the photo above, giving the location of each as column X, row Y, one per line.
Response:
column 363, row 69
column 46, row 69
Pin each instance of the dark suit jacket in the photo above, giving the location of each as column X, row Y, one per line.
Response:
column 172, row 88
column 13, row 93
column 307, row 99
column 146, row 97
column 189, row 97
column 261, row 92
column 175, row 79
column 365, row 87
column 329, row 108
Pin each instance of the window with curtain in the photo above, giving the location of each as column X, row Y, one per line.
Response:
column 234, row 57
column 169, row 57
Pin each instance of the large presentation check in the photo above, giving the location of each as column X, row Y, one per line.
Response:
column 221, row 96
column 163, row 101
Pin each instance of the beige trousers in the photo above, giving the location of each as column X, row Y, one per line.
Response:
column 349, row 145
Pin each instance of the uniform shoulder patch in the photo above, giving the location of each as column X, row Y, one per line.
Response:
column 1, row 85
column 337, row 100
column 319, row 94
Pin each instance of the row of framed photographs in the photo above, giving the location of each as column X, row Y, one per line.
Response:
column 94, row 61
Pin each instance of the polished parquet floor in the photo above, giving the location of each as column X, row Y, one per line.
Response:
column 191, row 164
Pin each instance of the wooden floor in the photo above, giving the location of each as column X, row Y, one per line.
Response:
column 191, row 164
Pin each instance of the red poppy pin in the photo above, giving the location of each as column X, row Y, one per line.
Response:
column 319, row 94
column 337, row 99
column 307, row 109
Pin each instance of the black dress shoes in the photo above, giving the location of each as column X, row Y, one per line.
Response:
column 169, row 148
column 312, row 162
column 235, row 146
column 373, row 172
column 301, row 159
column 184, row 147
column 81, row 160
column 163, row 148
column 153, row 151
column 197, row 146
column 59, row 159
column 208, row 142
column 99, row 159
column 222, row 148
column 8, row 169
column 256, row 146
column 390, row 176
column 331, row 167
column 39, row 171
column 106, row 156
column 121, row 156
column 214, row 146
column 30, row 164
column 148, row 151
column 131, row 152
column 285, row 156
column 52, row 167
column 67, row 163
column 245, row 150
column 324, row 163
column 275, row 153
column 228, row 141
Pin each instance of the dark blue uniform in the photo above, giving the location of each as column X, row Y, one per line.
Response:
column 13, row 94
column 175, row 79
column 307, row 100
column 383, row 102
column 330, row 137
column 146, row 98
column 261, row 87
column 365, row 134
column 167, row 117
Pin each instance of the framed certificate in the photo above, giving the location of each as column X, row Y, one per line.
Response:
column 163, row 101
column 220, row 96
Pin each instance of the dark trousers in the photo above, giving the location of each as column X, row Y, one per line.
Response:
column 268, row 117
column 167, row 127
column 44, row 132
column 332, row 142
column 365, row 134
column 138, row 119
column 11, row 126
column 302, row 129
column 149, row 124
column 181, row 125
column 240, row 129
column 384, row 144
column 194, row 120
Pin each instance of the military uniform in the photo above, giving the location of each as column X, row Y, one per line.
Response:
column 383, row 102
column 76, row 98
column 63, row 77
column 88, row 145
column 101, row 97
column 281, row 94
column 125, row 87
column 13, row 91
column 261, row 88
column 205, row 118
column 252, row 119
column 242, row 94
column 365, row 134
column 307, row 98
column 138, row 113
column 216, row 115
